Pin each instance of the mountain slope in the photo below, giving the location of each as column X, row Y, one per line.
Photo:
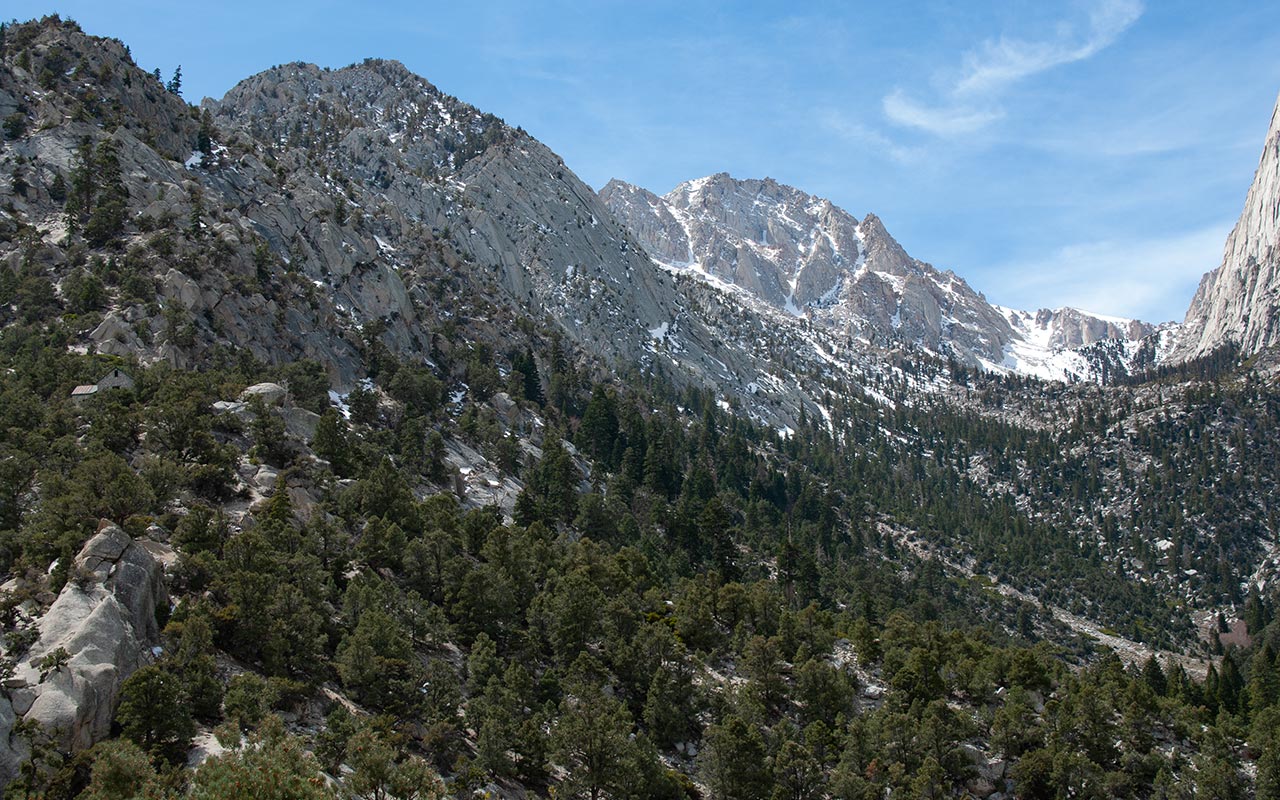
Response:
column 808, row 257
column 714, row 527
column 1239, row 302
column 1067, row 343
column 362, row 202
column 423, row 178
column 421, row 164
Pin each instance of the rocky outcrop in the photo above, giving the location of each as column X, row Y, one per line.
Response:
column 1239, row 302
column 105, row 621
column 115, row 336
column 1069, row 328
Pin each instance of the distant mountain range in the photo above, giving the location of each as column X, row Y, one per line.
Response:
column 803, row 255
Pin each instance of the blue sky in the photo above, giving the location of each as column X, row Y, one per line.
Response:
column 1086, row 152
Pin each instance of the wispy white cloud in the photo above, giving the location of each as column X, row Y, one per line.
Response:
column 862, row 135
column 1137, row 278
column 1004, row 61
column 969, row 100
column 950, row 120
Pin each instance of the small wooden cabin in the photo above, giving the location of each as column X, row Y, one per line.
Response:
column 115, row 379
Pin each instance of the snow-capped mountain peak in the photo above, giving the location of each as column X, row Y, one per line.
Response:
column 808, row 257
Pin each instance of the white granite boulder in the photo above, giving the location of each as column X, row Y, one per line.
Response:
column 272, row 394
column 105, row 620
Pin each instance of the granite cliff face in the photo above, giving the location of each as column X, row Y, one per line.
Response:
column 803, row 255
column 411, row 168
column 784, row 246
column 1239, row 302
column 1069, row 328
column 200, row 274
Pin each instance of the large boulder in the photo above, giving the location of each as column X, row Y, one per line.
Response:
column 105, row 620
column 987, row 775
column 272, row 394
column 115, row 336
column 177, row 286
column 300, row 422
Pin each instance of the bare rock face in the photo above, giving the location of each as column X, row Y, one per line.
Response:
column 1072, row 328
column 114, row 336
column 300, row 422
column 786, row 247
column 650, row 220
column 12, row 752
column 803, row 254
column 436, row 182
column 1239, row 302
column 105, row 620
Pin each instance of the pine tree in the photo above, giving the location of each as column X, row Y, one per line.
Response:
column 83, row 184
column 1155, row 677
column 599, row 427
column 331, row 442
column 195, row 217
column 204, row 139
column 591, row 741
column 1256, row 614
column 797, row 774
column 195, row 665
column 525, row 368
column 120, row 770
column 1230, row 685
column 377, row 664
column 175, row 83
column 154, row 713
column 58, row 189
column 733, row 761
column 98, row 195
column 1264, row 679
column 1266, row 736
column 554, row 483
column 272, row 765
column 670, row 704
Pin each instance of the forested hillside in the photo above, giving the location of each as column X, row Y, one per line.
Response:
column 340, row 515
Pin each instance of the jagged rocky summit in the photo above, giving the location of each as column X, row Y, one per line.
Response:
column 806, row 256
